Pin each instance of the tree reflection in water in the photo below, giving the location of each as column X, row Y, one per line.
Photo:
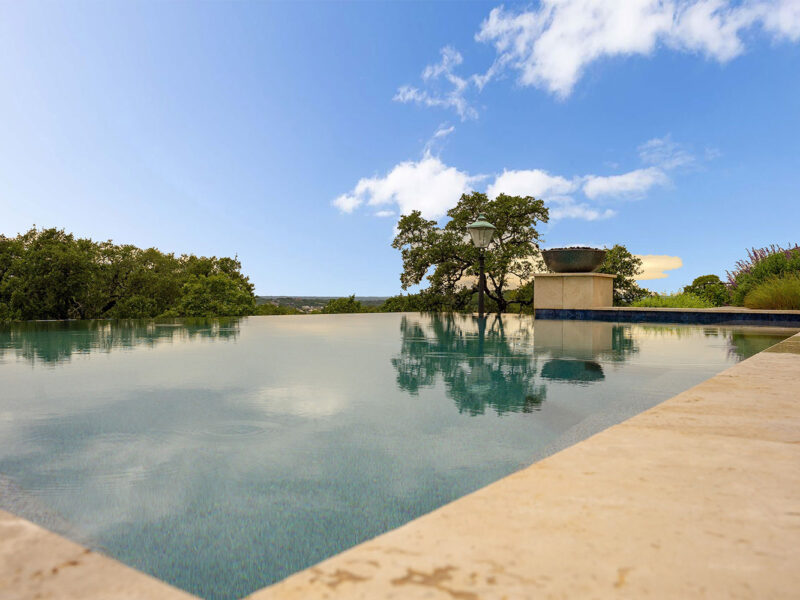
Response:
column 481, row 362
column 493, row 362
column 57, row 341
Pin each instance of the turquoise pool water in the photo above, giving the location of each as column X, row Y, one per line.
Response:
column 224, row 455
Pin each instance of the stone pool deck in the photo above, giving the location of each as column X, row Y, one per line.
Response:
column 35, row 563
column 698, row 497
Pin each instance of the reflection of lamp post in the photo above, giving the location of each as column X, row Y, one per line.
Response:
column 481, row 232
column 481, row 334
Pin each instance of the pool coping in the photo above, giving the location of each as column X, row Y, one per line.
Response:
column 695, row 496
column 37, row 563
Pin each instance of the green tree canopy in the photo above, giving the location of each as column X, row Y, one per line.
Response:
column 345, row 305
column 449, row 251
column 710, row 288
column 50, row 274
column 626, row 267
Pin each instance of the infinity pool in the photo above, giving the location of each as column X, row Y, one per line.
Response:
column 224, row 455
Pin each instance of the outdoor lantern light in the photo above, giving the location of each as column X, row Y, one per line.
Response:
column 481, row 232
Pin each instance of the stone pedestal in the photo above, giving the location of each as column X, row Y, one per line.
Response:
column 573, row 290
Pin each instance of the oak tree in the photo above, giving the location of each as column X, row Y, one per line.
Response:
column 447, row 257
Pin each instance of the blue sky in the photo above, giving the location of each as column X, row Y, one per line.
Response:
column 293, row 134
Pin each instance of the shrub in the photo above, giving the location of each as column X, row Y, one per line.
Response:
column 779, row 293
column 762, row 265
column 345, row 305
column 683, row 300
column 431, row 301
column 268, row 308
column 711, row 288
column 400, row 303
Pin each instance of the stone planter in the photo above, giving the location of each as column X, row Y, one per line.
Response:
column 573, row 260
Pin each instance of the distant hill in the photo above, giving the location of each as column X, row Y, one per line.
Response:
column 307, row 303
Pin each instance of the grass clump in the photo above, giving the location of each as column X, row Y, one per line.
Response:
column 682, row 300
column 779, row 293
column 760, row 266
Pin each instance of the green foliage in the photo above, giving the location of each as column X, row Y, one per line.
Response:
column 626, row 267
column 521, row 299
column 399, row 303
column 46, row 275
column 214, row 295
column 778, row 293
column 49, row 274
column 404, row 303
column 269, row 308
column 430, row 301
column 450, row 253
column 764, row 267
column 701, row 283
column 710, row 288
column 346, row 305
column 682, row 300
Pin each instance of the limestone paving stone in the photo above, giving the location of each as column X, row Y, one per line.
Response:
column 38, row 564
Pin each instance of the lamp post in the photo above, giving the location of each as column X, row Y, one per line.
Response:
column 481, row 232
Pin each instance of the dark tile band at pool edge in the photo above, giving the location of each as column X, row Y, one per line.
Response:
column 698, row 316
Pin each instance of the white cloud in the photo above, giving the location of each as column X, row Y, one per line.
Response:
column 654, row 265
column 551, row 45
column 664, row 153
column 438, row 136
column 783, row 20
column 712, row 153
column 554, row 189
column 434, row 75
column 631, row 184
column 443, row 131
column 347, row 202
column 427, row 185
column 431, row 186
column 534, row 182
column 711, row 27
column 450, row 58
column 572, row 210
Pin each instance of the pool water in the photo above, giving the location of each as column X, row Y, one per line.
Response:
column 223, row 455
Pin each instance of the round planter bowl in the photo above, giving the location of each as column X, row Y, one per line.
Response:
column 573, row 260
